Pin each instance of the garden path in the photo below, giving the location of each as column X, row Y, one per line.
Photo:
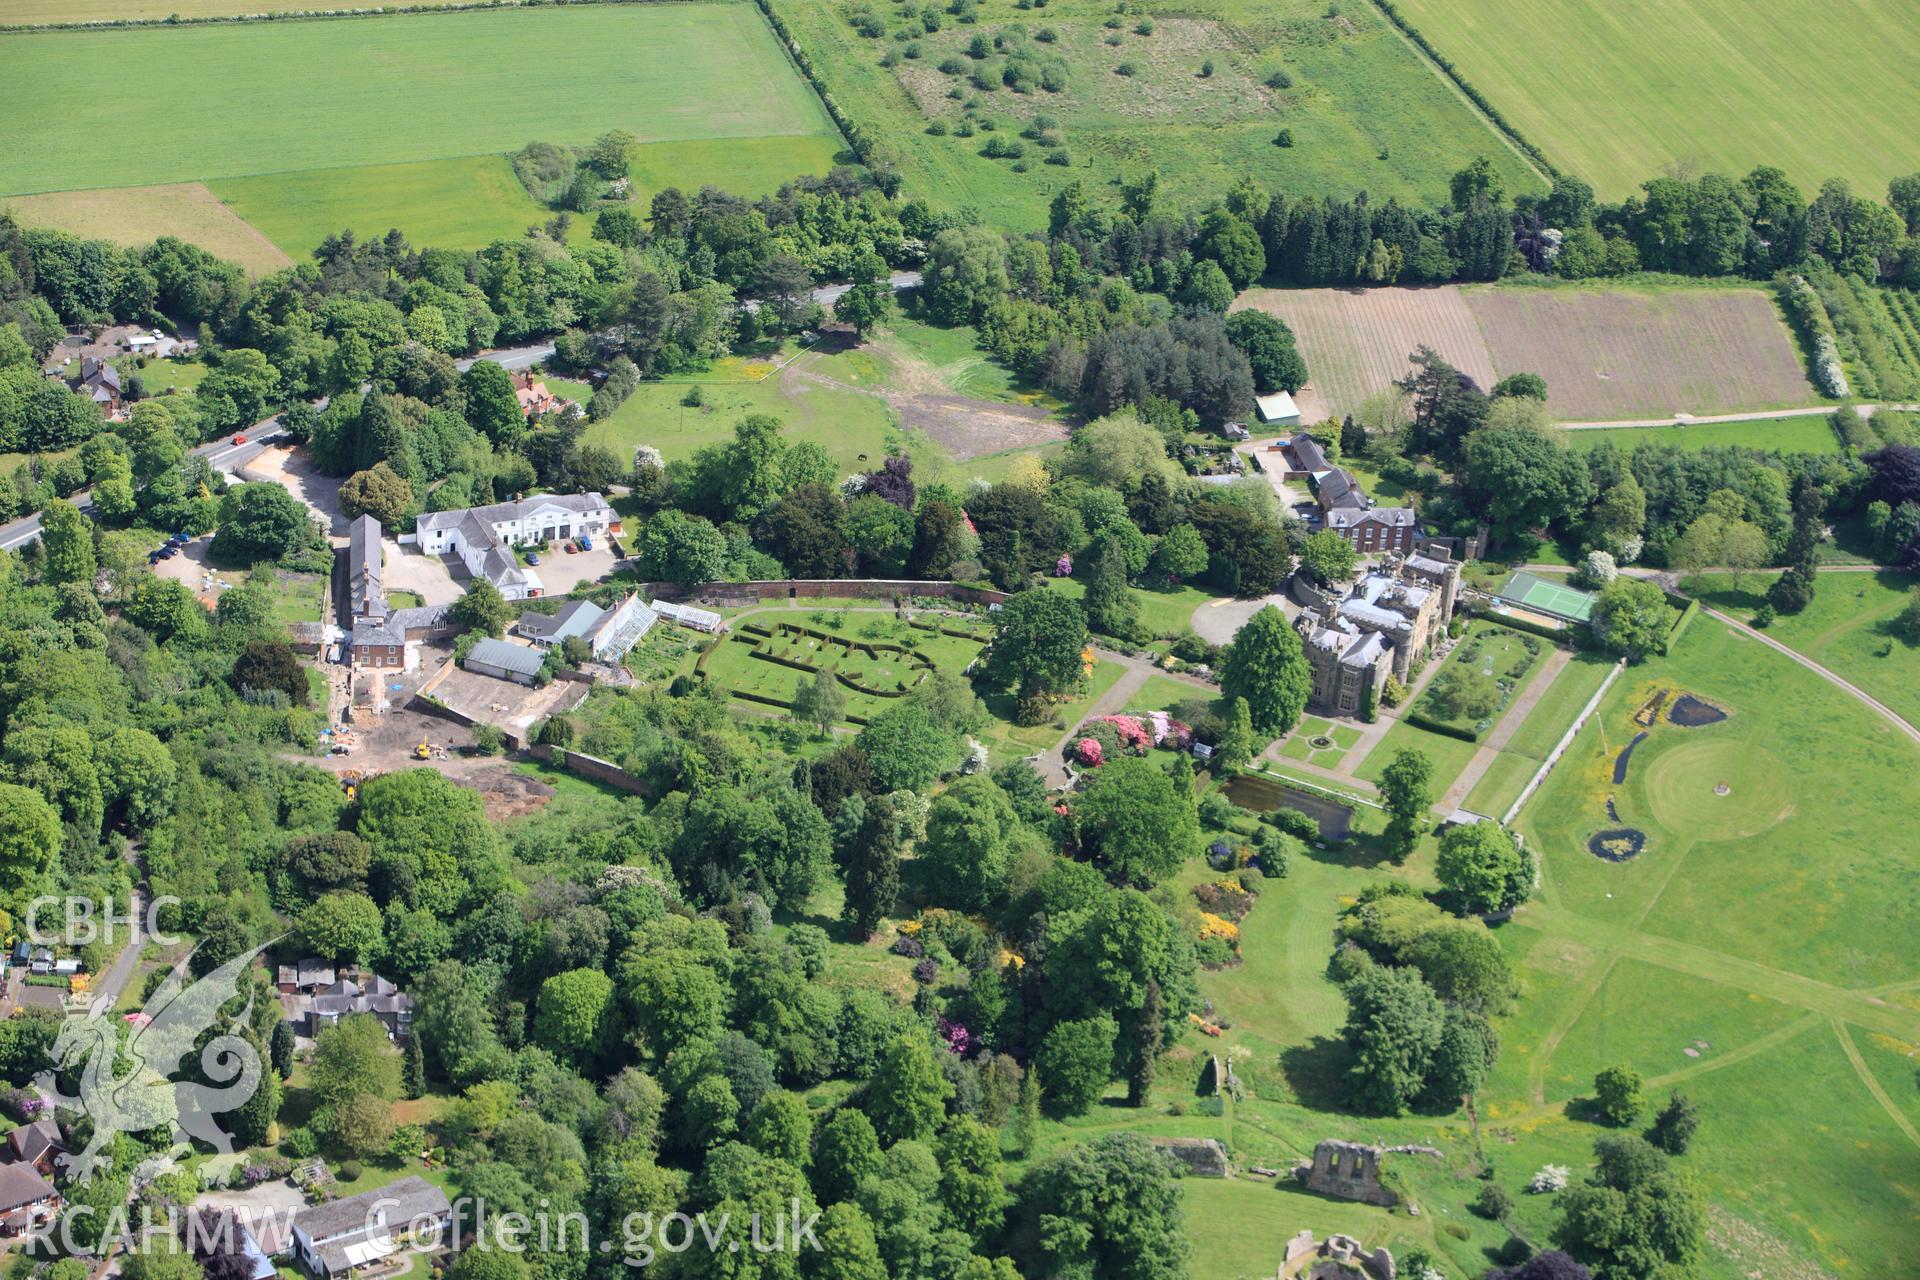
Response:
column 1503, row 732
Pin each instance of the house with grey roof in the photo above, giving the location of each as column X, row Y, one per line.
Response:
column 483, row 537
column 311, row 1009
column 26, row 1198
column 334, row 1240
column 100, row 383
column 1389, row 618
column 366, row 596
column 504, row 660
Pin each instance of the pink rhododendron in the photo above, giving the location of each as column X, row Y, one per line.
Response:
column 1088, row 752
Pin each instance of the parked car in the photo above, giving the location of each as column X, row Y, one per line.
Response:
column 533, row 557
column 572, row 547
column 240, row 437
column 586, row 542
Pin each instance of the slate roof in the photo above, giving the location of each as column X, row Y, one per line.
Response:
column 21, row 1185
column 576, row 619
column 580, row 503
column 517, row 658
column 1391, row 517
column 1307, row 453
column 29, row 1142
column 357, row 1216
column 1337, row 489
column 363, row 568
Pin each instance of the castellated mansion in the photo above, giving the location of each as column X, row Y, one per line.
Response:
column 1393, row 615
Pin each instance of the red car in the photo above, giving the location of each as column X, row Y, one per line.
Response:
column 241, row 438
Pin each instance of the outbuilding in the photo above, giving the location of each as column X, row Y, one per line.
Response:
column 1278, row 410
column 505, row 661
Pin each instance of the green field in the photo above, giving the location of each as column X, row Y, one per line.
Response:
column 1801, row 433
column 834, row 398
column 1845, row 629
column 1202, row 134
column 1617, row 91
column 264, row 98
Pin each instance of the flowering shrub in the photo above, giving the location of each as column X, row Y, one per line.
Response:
column 960, row 1041
column 1178, row 737
column 926, row 970
column 1549, row 1179
column 1225, row 898
column 1063, row 567
column 1088, row 753
column 1213, row 926
column 908, row 945
column 1133, row 735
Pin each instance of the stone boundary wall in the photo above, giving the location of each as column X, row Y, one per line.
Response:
column 735, row 593
column 594, row 768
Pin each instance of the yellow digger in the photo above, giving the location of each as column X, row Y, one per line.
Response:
column 424, row 751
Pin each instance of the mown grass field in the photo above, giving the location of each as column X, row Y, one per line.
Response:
column 139, row 215
column 1802, row 433
column 1618, row 90
column 462, row 203
column 1846, row 629
column 278, row 97
column 1607, row 352
column 1202, row 134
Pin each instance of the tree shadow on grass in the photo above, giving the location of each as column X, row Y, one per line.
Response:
column 1317, row 1072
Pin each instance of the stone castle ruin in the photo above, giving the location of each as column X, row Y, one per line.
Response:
column 1334, row 1258
column 1348, row 1170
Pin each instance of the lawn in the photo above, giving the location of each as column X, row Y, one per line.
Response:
column 1801, row 433
column 1008, row 741
column 1507, row 658
column 1165, row 611
column 135, row 216
column 297, row 597
column 1364, row 112
column 1497, row 654
column 277, row 97
column 1300, row 744
column 1845, row 629
column 24, row 12
column 1617, row 91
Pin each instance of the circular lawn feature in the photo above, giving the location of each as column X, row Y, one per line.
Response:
column 1718, row 790
column 1320, row 742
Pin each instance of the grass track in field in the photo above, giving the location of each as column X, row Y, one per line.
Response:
column 278, row 97
column 1618, row 90
column 139, row 215
column 1846, row 629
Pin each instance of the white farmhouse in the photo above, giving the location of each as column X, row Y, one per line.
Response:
column 483, row 536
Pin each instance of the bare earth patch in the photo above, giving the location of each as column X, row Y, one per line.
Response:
column 1356, row 341
column 1606, row 353
column 506, row 793
column 964, row 427
column 1620, row 353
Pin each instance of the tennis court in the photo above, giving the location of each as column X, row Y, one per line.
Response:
column 1555, row 598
